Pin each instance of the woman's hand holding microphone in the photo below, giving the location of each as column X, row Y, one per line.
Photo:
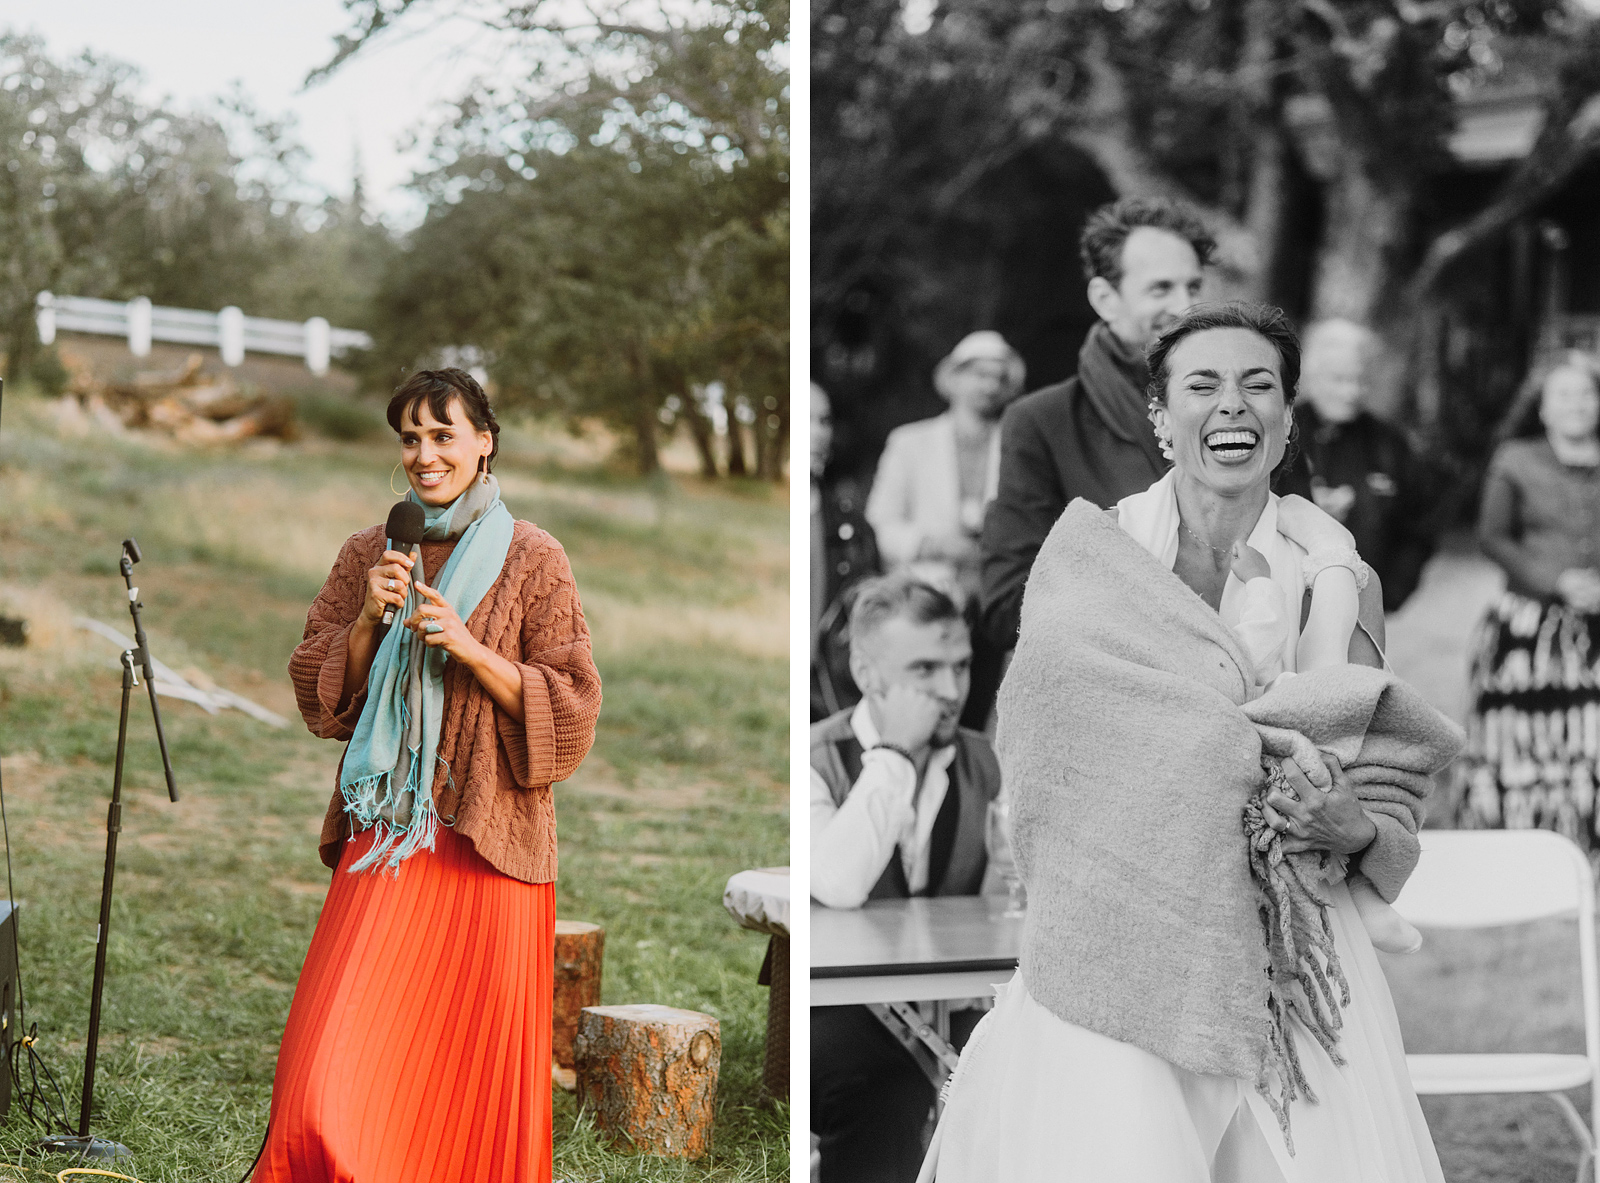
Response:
column 387, row 582
column 436, row 622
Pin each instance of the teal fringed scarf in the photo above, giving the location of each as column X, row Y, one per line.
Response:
column 388, row 766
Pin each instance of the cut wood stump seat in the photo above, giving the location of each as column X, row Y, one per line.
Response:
column 580, row 949
column 649, row 1075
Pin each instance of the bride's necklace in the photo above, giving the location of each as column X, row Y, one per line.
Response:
column 1223, row 552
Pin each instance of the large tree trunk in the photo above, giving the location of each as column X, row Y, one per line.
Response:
column 1358, row 275
column 737, row 465
column 771, row 439
column 19, row 344
column 1108, row 134
column 646, row 452
column 704, row 436
column 1362, row 247
column 1570, row 138
column 1267, row 196
column 780, row 439
column 1266, row 210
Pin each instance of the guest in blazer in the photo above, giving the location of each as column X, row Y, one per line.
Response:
column 937, row 475
column 934, row 481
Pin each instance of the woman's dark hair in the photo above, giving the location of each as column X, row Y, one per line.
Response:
column 1261, row 319
column 438, row 387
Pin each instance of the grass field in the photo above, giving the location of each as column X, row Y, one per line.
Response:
column 685, row 587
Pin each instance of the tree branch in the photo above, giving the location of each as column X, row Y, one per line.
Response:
column 1106, row 133
column 1561, row 149
column 349, row 44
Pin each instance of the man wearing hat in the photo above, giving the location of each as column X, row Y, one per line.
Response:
column 1090, row 436
column 936, row 476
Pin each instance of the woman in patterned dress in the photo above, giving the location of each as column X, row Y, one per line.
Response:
column 1533, row 734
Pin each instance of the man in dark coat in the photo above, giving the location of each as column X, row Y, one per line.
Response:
column 1090, row 436
column 1355, row 466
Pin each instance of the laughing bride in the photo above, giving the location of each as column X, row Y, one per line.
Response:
column 1208, row 823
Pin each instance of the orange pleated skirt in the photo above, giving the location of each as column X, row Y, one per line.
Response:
column 418, row 1042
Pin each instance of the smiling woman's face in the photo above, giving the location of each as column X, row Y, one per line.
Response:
column 1569, row 405
column 1226, row 408
column 441, row 459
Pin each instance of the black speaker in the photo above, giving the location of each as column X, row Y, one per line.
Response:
column 8, row 998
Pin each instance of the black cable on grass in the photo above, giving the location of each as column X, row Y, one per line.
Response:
column 34, row 1094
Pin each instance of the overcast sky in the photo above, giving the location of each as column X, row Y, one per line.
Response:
column 193, row 49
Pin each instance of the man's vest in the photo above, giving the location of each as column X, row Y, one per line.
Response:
column 956, row 854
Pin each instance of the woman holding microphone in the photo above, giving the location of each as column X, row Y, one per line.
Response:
column 418, row 1042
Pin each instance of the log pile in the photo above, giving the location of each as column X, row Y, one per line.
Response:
column 649, row 1075
column 188, row 404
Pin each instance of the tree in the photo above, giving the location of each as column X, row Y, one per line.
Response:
column 104, row 195
column 1231, row 104
column 52, row 118
column 620, row 216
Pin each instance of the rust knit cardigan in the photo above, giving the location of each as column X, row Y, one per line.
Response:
column 502, row 770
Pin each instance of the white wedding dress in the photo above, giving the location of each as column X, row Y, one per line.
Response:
column 1039, row 1099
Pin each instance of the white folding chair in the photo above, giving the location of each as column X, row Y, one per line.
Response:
column 1487, row 878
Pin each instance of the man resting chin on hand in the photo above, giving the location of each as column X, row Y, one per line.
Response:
column 899, row 795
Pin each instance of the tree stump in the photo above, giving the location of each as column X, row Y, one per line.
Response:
column 649, row 1074
column 580, row 948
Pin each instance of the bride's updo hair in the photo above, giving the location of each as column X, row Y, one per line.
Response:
column 1261, row 319
column 438, row 387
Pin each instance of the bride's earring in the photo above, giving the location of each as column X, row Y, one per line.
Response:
column 1163, row 431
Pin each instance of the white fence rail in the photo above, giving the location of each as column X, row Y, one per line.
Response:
column 230, row 331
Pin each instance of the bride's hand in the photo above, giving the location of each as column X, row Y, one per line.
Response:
column 1319, row 821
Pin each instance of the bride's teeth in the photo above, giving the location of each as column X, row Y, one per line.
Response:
column 1222, row 439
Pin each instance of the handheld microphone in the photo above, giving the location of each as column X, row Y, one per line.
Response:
column 406, row 523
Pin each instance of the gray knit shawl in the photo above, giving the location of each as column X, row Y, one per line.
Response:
column 1130, row 761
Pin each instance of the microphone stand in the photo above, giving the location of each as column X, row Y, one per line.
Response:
column 82, row 1144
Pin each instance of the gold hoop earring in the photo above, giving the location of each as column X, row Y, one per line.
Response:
column 392, row 471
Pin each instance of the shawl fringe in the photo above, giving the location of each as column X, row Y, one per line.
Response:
column 1303, row 965
column 412, row 829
